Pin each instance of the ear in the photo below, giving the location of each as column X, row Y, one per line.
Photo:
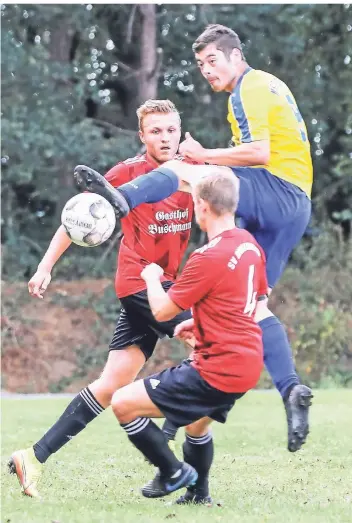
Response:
column 235, row 55
column 141, row 136
column 204, row 205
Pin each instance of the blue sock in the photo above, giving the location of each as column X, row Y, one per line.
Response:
column 150, row 188
column 278, row 355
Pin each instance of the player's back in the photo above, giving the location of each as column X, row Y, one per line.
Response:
column 153, row 233
column 263, row 107
column 229, row 343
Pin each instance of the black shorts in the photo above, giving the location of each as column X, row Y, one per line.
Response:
column 137, row 326
column 184, row 397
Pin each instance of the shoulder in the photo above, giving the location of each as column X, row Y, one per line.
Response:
column 245, row 242
column 263, row 81
column 253, row 81
column 208, row 247
column 209, row 254
column 125, row 170
column 135, row 160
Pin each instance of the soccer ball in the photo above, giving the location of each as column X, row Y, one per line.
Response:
column 89, row 219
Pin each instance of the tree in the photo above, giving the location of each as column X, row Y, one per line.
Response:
column 73, row 76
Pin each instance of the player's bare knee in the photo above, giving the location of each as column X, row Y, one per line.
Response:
column 198, row 428
column 107, row 384
column 121, row 406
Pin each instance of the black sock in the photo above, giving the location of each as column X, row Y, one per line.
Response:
column 199, row 452
column 152, row 443
column 170, row 430
column 82, row 409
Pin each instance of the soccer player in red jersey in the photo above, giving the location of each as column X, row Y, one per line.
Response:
column 273, row 162
column 222, row 282
column 156, row 233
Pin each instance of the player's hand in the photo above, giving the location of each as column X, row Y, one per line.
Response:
column 152, row 272
column 192, row 149
column 38, row 284
column 185, row 332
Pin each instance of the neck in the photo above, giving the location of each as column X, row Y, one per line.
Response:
column 217, row 225
column 239, row 72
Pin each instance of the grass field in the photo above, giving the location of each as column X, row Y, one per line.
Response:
column 96, row 478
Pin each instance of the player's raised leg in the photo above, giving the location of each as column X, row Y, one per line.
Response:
column 277, row 221
column 133, row 408
column 160, row 183
column 279, row 362
column 121, row 368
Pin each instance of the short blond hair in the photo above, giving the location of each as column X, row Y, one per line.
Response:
column 155, row 107
column 220, row 189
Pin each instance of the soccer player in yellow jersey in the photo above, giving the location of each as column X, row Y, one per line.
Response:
column 272, row 160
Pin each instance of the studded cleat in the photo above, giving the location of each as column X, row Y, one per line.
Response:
column 297, row 409
column 162, row 486
column 87, row 179
column 28, row 469
column 192, row 498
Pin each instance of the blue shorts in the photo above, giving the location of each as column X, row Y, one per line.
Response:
column 276, row 212
column 183, row 396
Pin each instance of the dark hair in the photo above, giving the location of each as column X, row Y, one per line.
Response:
column 223, row 37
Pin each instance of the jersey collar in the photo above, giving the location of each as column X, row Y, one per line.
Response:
column 238, row 85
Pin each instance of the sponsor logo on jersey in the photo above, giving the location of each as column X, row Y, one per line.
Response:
column 162, row 216
column 179, row 214
column 154, row 228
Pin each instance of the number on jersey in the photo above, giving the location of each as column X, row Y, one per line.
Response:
column 251, row 296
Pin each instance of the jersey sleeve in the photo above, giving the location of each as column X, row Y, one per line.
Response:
column 249, row 108
column 118, row 175
column 195, row 281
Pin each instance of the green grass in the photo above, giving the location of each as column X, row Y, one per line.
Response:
column 96, row 477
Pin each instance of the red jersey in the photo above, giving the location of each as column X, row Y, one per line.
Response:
column 153, row 233
column 221, row 282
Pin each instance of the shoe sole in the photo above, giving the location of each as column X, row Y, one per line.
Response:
column 18, row 468
column 86, row 179
column 201, row 501
column 300, row 434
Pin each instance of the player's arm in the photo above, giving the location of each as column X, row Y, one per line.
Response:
column 249, row 110
column 190, row 287
column 246, row 154
column 39, row 282
column 162, row 307
column 60, row 242
column 196, row 280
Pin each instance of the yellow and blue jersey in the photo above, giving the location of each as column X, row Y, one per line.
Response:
column 262, row 107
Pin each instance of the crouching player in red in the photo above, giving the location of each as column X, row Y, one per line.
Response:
column 222, row 282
